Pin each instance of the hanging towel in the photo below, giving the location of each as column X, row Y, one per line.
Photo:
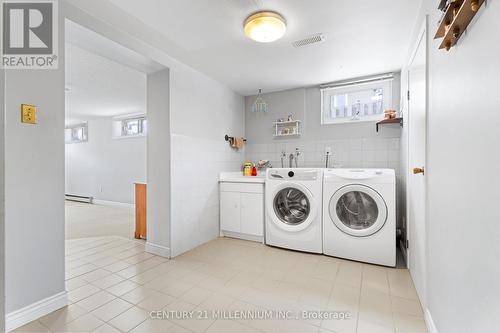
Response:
column 238, row 143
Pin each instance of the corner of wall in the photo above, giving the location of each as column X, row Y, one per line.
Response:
column 158, row 163
column 34, row 311
column 158, row 250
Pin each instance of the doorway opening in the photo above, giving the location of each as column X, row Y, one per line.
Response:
column 106, row 126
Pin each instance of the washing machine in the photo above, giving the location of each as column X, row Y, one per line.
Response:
column 293, row 200
column 359, row 215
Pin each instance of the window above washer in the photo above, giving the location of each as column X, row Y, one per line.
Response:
column 356, row 100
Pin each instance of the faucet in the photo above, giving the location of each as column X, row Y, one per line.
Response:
column 327, row 157
column 290, row 159
column 283, row 155
column 297, row 154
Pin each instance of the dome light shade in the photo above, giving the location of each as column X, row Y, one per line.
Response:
column 265, row 26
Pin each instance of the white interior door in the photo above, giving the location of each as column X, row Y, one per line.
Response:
column 417, row 138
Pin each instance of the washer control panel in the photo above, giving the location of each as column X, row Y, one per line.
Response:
column 293, row 174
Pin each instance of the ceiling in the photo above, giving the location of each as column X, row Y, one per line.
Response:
column 362, row 37
column 103, row 78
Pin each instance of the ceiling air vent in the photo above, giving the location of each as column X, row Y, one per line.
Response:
column 309, row 40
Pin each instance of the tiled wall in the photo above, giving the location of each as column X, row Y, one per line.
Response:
column 349, row 153
column 196, row 164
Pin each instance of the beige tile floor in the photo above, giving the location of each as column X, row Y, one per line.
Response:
column 85, row 220
column 113, row 285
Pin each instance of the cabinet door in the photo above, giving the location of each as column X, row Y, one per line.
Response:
column 252, row 214
column 230, row 211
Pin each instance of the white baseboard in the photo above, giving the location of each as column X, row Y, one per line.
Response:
column 159, row 250
column 431, row 327
column 253, row 238
column 113, row 203
column 34, row 311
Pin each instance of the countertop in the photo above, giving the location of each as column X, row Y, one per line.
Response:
column 237, row 177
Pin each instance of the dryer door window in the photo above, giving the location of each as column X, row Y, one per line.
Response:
column 358, row 210
column 291, row 206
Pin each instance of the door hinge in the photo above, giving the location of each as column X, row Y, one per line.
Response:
column 408, row 94
column 407, row 243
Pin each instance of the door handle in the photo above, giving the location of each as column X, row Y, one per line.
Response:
column 419, row 170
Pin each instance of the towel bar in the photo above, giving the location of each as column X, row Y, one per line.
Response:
column 231, row 138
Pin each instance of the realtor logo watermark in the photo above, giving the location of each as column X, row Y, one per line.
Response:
column 30, row 39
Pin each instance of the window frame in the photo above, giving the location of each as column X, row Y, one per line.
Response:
column 141, row 129
column 388, row 99
column 83, row 126
column 120, row 127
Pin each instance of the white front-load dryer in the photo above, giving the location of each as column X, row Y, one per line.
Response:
column 293, row 209
column 359, row 215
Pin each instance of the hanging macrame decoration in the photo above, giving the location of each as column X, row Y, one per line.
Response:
column 259, row 105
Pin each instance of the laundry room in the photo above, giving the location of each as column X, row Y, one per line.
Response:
column 257, row 166
column 328, row 154
column 347, row 144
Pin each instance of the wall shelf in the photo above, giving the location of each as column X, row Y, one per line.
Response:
column 288, row 122
column 282, row 135
column 290, row 128
column 455, row 21
column 390, row 121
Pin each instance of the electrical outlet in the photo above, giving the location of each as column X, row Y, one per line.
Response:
column 100, row 189
column 328, row 150
column 28, row 114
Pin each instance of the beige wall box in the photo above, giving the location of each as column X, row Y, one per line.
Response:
column 28, row 114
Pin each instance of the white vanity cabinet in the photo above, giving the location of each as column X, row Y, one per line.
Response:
column 242, row 209
column 230, row 211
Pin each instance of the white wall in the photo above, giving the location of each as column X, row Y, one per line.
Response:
column 34, row 186
column 202, row 112
column 353, row 145
column 2, row 198
column 105, row 167
column 158, row 165
column 463, row 141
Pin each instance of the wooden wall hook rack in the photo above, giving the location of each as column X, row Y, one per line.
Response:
column 457, row 16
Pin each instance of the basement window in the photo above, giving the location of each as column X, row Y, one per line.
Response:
column 76, row 133
column 356, row 100
column 130, row 127
column 134, row 126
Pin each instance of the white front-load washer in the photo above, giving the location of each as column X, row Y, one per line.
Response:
column 293, row 209
column 359, row 215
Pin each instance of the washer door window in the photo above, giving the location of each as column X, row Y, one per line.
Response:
column 358, row 210
column 293, row 208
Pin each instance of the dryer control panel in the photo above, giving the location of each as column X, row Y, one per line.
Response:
column 373, row 175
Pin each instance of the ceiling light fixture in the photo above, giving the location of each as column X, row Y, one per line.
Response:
column 265, row 26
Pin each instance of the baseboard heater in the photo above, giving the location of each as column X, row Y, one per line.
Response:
column 79, row 198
